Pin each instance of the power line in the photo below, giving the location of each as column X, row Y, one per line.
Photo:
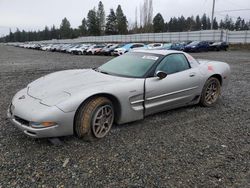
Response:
column 234, row 10
column 224, row 15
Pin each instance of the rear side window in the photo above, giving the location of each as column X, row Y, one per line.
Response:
column 173, row 63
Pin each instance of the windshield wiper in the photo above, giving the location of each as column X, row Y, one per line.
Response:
column 98, row 70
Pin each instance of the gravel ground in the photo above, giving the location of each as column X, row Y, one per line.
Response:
column 186, row 147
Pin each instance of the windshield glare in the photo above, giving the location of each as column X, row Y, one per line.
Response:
column 130, row 65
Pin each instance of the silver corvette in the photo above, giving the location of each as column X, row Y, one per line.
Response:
column 87, row 102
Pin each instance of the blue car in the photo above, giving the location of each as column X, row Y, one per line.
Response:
column 197, row 46
column 177, row 46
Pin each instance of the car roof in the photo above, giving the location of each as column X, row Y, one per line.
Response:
column 159, row 52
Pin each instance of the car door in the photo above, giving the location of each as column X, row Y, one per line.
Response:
column 180, row 86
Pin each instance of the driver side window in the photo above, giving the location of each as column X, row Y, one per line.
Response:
column 173, row 63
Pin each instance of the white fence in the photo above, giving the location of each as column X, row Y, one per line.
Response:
column 208, row 35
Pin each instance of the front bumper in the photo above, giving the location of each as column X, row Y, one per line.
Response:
column 190, row 49
column 118, row 53
column 29, row 109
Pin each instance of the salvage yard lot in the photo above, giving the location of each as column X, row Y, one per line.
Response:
column 191, row 146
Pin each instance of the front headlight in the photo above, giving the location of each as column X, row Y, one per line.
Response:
column 42, row 124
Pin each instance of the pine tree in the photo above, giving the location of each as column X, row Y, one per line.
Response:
column 17, row 36
column 238, row 24
column 204, row 22
column 111, row 23
column 83, row 28
column 158, row 23
column 65, row 30
column 53, row 33
column 122, row 23
column 46, row 33
column 208, row 23
column 215, row 24
column 92, row 23
column 228, row 23
column 101, row 17
column 190, row 24
column 11, row 37
column 197, row 23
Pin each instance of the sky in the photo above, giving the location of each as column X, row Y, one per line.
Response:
column 36, row 14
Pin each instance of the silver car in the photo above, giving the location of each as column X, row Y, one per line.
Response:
column 86, row 102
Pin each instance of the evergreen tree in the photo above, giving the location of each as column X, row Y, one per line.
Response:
column 181, row 24
column 11, row 37
column 215, row 24
column 75, row 33
column 228, row 22
column 65, row 30
column 158, row 23
column 122, row 23
column 53, row 33
column 238, row 24
column 83, row 29
column 92, row 23
column 221, row 25
column 101, row 17
column 17, row 35
column 204, row 22
column 190, row 24
column 111, row 23
column 46, row 33
column 208, row 23
column 197, row 23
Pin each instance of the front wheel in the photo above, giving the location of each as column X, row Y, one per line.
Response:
column 210, row 92
column 94, row 119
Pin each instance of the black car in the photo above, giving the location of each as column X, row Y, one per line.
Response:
column 197, row 46
column 217, row 46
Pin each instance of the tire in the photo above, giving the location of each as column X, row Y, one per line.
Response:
column 88, row 125
column 210, row 92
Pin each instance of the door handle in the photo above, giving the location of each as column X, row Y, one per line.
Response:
column 192, row 74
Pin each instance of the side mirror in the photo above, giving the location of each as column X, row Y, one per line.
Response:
column 161, row 75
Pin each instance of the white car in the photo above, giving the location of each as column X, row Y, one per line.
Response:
column 126, row 48
column 154, row 45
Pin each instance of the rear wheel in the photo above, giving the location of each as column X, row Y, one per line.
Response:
column 94, row 119
column 210, row 92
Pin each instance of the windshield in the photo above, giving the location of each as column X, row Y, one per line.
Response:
column 194, row 43
column 130, row 65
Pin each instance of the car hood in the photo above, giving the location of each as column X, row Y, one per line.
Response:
column 121, row 49
column 57, row 87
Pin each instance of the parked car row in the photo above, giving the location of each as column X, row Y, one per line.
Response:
column 119, row 49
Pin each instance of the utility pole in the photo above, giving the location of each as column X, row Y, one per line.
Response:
column 212, row 21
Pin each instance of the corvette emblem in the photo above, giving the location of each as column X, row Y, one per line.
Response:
column 22, row 97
